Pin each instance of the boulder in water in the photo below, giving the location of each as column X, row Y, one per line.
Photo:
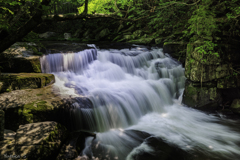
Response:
column 156, row 149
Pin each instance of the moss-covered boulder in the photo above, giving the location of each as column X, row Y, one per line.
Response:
column 202, row 69
column 198, row 96
column 2, row 119
column 16, row 81
column 38, row 141
column 30, row 105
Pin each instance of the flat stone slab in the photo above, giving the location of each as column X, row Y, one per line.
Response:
column 16, row 81
column 33, row 141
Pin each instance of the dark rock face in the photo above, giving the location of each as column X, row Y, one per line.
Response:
column 23, row 64
column 163, row 151
column 198, row 96
column 176, row 50
column 209, row 78
column 38, row 141
column 16, row 81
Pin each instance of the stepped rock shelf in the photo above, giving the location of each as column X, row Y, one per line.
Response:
column 16, row 81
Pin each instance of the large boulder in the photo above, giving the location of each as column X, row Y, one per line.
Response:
column 21, row 49
column 2, row 119
column 16, row 81
column 205, row 97
column 38, row 141
column 29, row 105
column 209, row 76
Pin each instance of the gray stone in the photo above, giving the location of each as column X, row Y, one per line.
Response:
column 34, row 141
column 67, row 36
column 47, row 35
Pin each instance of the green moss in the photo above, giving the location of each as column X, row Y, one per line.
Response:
column 39, row 94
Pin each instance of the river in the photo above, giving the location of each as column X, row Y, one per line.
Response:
column 137, row 90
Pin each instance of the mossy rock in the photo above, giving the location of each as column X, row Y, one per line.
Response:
column 205, row 96
column 228, row 82
column 29, row 113
column 23, row 64
column 16, row 81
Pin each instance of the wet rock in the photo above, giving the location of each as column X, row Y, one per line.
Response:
column 21, row 49
column 207, row 96
column 235, row 106
column 16, row 81
column 34, row 141
column 47, row 35
column 68, row 150
column 2, row 119
column 67, row 36
column 158, row 149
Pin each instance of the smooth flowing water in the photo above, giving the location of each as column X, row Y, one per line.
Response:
column 134, row 90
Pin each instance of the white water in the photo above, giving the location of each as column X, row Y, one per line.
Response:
column 129, row 93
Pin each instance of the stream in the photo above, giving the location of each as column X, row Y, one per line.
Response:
column 136, row 95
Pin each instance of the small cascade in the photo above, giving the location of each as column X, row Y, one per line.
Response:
column 135, row 93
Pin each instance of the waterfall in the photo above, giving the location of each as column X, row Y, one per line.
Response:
column 131, row 91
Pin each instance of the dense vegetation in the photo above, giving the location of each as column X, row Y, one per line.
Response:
column 210, row 22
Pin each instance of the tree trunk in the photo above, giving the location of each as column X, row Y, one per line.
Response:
column 17, row 35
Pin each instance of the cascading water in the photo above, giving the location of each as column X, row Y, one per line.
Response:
column 131, row 91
